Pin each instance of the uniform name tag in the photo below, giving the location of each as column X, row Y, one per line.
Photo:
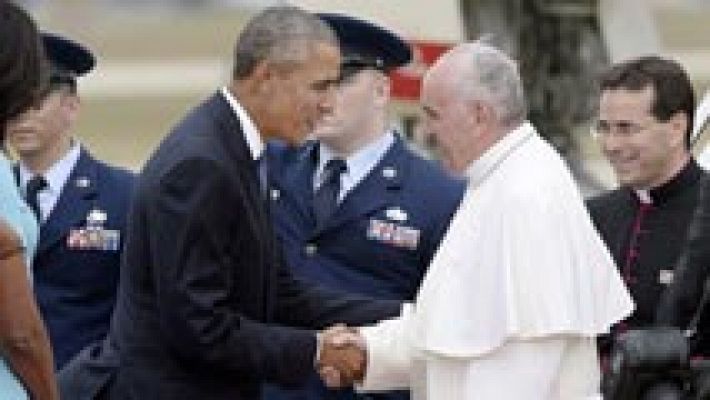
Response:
column 393, row 234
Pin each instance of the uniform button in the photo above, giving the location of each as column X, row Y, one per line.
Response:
column 311, row 249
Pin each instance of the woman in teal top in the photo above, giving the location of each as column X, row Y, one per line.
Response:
column 26, row 366
column 15, row 211
column 21, row 220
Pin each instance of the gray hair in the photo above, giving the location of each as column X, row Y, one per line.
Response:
column 491, row 76
column 280, row 34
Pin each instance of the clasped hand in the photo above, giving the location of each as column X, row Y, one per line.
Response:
column 343, row 356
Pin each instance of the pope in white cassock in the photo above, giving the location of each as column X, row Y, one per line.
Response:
column 521, row 284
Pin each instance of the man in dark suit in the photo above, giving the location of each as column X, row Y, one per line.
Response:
column 205, row 310
column 390, row 207
column 81, row 204
column 645, row 117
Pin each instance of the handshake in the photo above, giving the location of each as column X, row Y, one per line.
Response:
column 342, row 359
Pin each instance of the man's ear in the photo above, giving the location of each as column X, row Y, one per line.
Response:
column 483, row 116
column 482, row 113
column 71, row 104
column 261, row 79
column 383, row 86
column 678, row 124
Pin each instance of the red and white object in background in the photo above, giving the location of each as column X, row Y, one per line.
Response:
column 407, row 81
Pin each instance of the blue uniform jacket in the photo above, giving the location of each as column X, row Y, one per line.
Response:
column 76, row 284
column 380, row 240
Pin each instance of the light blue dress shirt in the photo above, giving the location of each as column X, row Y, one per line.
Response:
column 359, row 163
column 57, row 176
column 17, row 214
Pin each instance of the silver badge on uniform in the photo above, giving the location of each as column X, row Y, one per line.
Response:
column 389, row 172
column 396, row 214
column 82, row 182
column 96, row 217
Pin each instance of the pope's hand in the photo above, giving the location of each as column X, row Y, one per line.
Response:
column 343, row 356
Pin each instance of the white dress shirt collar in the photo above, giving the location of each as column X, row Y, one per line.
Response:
column 251, row 133
column 644, row 196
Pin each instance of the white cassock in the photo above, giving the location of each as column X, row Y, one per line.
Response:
column 513, row 300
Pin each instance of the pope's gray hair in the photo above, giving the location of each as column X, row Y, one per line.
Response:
column 491, row 76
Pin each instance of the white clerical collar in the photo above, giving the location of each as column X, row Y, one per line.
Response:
column 479, row 169
column 251, row 133
column 58, row 174
column 644, row 196
column 360, row 163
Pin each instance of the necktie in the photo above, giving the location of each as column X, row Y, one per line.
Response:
column 34, row 186
column 325, row 200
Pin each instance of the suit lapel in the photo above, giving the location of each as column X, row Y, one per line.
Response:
column 231, row 136
column 374, row 192
column 75, row 201
column 245, row 167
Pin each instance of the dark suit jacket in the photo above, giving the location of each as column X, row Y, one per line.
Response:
column 75, row 287
column 403, row 193
column 205, row 310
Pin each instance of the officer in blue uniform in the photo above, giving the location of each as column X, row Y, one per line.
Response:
column 356, row 209
column 80, row 202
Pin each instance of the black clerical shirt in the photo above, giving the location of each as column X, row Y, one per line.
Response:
column 646, row 233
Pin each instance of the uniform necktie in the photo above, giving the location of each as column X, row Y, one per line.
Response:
column 34, row 186
column 325, row 200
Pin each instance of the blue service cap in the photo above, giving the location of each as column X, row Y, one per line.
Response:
column 366, row 45
column 67, row 58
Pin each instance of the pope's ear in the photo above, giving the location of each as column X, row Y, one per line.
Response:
column 480, row 113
